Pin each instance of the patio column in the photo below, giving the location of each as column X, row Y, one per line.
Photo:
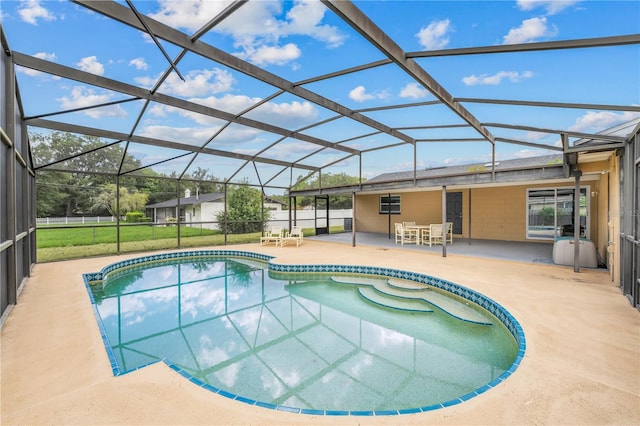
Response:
column 353, row 219
column 178, row 210
column 118, row 214
column 444, row 221
column 576, row 222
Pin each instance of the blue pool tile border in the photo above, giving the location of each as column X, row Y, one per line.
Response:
column 497, row 310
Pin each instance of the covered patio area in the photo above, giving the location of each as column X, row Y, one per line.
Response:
column 522, row 251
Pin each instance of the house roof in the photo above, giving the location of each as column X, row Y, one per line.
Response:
column 199, row 199
column 189, row 201
column 526, row 163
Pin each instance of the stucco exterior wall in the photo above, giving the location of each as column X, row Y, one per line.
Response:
column 497, row 213
column 420, row 207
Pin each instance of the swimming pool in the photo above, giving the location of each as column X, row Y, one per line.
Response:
column 302, row 338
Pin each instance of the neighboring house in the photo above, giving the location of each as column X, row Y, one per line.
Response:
column 196, row 208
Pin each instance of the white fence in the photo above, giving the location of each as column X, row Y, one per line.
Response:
column 74, row 220
column 304, row 218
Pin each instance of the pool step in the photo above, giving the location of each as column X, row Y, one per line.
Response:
column 406, row 284
column 392, row 301
column 408, row 295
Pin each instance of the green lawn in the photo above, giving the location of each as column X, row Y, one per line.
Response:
column 83, row 241
column 73, row 242
column 100, row 234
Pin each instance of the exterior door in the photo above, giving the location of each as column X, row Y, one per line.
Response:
column 322, row 214
column 454, row 211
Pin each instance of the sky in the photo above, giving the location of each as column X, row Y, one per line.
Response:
column 301, row 40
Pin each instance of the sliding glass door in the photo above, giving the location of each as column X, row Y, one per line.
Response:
column 550, row 213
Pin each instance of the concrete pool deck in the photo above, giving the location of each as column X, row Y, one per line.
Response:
column 581, row 366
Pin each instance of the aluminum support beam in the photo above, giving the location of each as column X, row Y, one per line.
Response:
column 528, row 47
column 635, row 108
column 568, row 133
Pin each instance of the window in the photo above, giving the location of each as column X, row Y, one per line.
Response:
column 550, row 213
column 389, row 204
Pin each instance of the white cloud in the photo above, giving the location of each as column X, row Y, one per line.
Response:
column 485, row 79
column 189, row 15
column 413, row 90
column 91, row 64
column 305, row 18
column 265, row 55
column 435, row 35
column 188, row 135
column 82, row 97
column 292, row 148
column 359, row 94
column 256, row 27
column 229, row 103
column 594, row 121
column 31, row 11
column 198, row 83
column 139, row 63
column 551, row 6
column 286, row 114
column 529, row 31
column 164, row 112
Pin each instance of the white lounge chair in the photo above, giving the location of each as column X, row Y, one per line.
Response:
column 450, row 232
column 272, row 236
column 296, row 235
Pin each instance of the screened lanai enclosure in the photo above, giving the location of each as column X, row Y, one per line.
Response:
column 483, row 113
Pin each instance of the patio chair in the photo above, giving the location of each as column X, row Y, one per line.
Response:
column 435, row 235
column 426, row 232
column 272, row 236
column 450, row 232
column 405, row 235
column 295, row 236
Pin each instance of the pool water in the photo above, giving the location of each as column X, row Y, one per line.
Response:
column 311, row 341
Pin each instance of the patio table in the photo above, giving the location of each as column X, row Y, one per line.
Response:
column 418, row 229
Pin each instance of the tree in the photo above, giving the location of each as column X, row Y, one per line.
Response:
column 129, row 200
column 71, row 193
column 328, row 180
column 548, row 215
column 207, row 182
column 244, row 211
